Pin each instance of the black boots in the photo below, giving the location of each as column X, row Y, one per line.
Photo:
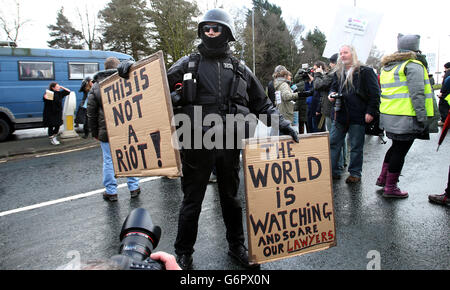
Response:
column 240, row 253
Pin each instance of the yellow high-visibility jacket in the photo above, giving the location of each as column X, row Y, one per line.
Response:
column 407, row 99
column 395, row 93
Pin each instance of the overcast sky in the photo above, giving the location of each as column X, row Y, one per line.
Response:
column 429, row 18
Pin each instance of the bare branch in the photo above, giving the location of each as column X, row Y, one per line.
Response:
column 12, row 31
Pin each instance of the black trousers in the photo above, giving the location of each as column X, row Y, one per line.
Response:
column 53, row 130
column 197, row 167
column 86, row 126
column 395, row 156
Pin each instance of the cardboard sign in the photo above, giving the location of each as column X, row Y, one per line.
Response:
column 138, row 114
column 289, row 197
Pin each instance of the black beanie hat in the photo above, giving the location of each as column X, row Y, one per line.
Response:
column 333, row 58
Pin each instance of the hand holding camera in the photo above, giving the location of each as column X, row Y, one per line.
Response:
column 337, row 99
column 139, row 237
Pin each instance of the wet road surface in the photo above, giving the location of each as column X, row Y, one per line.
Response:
column 408, row 234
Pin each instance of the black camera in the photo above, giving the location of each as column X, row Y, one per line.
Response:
column 304, row 73
column 139, row 237
column 338, row 104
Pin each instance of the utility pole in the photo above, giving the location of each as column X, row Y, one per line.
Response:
column 253, row 36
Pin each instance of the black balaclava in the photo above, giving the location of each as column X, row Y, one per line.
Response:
column 215, row 46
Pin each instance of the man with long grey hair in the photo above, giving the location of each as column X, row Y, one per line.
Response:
column 356, row 96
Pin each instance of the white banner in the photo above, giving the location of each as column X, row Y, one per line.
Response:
column 353, row 26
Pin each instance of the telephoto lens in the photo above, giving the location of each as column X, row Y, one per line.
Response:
column 338, row 103
column 139, row 237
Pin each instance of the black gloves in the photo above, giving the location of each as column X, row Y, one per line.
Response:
column 176, row 98
column 286, row 129
column 124, row 68
column 283, row 125
column 305, row 94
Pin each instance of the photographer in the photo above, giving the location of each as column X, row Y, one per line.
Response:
column 309, row 87
column 301, row 79
column 356, row 95
column 321, row 105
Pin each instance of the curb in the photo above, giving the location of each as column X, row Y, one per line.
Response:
column 41, row 145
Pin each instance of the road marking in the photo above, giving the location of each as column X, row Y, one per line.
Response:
column 67, row 151
column 70, row 198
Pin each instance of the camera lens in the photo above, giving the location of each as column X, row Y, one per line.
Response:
column 139, row 236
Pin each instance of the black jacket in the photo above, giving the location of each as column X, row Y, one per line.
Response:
column 214, row 79
column 363, row 98
column 271, row 92
column 53, row 110
column 95, row 114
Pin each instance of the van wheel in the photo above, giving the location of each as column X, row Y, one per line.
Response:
column 5, row 130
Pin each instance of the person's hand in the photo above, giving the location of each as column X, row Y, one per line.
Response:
column 124, row 69
column 369, row 118
column 290, row 132
column 330, row 97
column 168, row 260
column 286, row 129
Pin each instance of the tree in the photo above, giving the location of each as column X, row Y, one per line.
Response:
column 374, row 59
column 313, row 46
column 89, row 29
column 124, row 24
column 12, row 30
column 296, row 32
column 64, row 34
column 274, row 45
column 174, row 29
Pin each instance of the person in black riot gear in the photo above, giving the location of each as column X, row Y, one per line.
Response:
column 214, row 82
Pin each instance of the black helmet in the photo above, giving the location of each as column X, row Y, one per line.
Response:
column 219, row 16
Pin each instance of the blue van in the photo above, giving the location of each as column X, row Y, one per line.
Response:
column 25, row 74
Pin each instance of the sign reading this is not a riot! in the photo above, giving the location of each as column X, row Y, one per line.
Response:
column 138, row 114
column 289, row 197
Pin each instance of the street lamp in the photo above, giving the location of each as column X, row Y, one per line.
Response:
column 253, row 38
column 439, row 59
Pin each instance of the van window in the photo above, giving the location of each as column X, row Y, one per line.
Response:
column 36, row 70
column 79, row 71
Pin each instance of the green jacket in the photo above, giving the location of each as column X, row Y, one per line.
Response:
column 285, row 98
